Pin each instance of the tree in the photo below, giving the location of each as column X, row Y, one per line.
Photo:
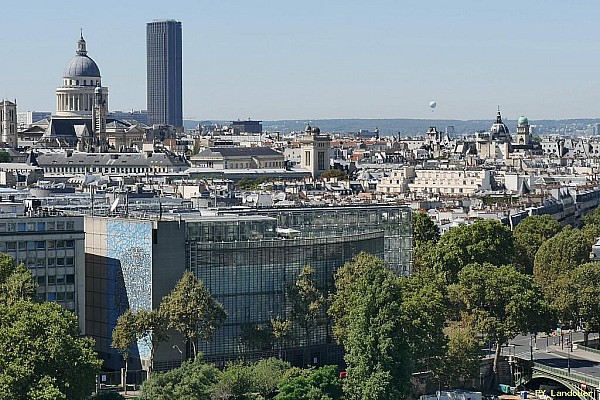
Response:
column 194, row 380
column 191, row 310
column 235, row 382
column 345, row 296
column 311, row 384
column 559, row 255
column 529, row 235
column 308, row 305
column 19, row 285
column 485, row 241
column 281, row 330
column 124, row 336
column 334, row 173
column 503, row 301
column 425, row 231
column 42, row 353
column 377, row 351
column 257, row 337
column 151, row 330
column 267, row 374
column 424, row 312
column 460, row 362
column 576, row 298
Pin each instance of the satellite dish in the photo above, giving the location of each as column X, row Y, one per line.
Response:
column 432, row 105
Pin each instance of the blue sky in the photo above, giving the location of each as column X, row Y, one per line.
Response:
column 322, row 59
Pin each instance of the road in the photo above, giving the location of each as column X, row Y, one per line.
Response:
column 548, row 351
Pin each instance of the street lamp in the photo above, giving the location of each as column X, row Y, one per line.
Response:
column 180, row 354
column 531, row 347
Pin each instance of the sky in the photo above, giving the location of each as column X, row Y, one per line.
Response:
column 308, row 60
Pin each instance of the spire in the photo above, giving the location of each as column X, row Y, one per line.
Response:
column 81, row 50
column 498, row 117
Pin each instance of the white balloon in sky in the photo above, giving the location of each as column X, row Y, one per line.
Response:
column 432, row 104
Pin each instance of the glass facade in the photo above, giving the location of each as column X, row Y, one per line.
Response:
column 246, row 261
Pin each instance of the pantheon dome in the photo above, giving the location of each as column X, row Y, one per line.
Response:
column 81, row 77
column 81, row 65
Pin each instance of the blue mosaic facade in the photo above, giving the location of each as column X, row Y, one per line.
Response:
column 129, row 267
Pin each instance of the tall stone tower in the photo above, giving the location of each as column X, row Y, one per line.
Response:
column 8, row 123
column 523, row 133
column 315, row 151
column 99, row 121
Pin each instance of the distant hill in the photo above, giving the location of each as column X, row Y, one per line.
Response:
column 407, row 127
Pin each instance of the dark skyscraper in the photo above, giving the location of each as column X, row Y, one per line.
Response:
column 163, row 53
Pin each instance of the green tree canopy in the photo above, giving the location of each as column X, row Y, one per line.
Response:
column 191, row 310
column 559, row 255
column 42, row 354
column 377, row 351
column 484, row 241
column 308, row 305
column 461, row 362
column 576, row 297
column 194, row 380
column 425, row 231
column 529, row 235
column 424, row 313
column 311, row 384
column 503, row 301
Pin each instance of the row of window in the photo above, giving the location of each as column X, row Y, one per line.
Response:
column 37, row 226
column 58, row 296
column 55, row 280
column 45, row 262
column 37, row 245
column 118, row 169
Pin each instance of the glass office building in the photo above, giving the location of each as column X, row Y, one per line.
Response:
column 246, row 261
column 164, row 79
column 245, row 258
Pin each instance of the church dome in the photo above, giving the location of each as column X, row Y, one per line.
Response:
column 523, row 121
column 81, row 64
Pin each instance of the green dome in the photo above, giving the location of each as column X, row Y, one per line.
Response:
column 523, row 121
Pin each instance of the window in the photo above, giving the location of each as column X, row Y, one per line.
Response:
column 307, row 158
column 69, row 261
column 60, row 226
column 70, row 295
column 60, row 244
column 70, row 225
column 60, row 296
column 40, row 245
column 51, row 296
column 70, row 278
column 30, row 245
column 21, row 227
column 50, row 226
column 22, row 245
column 60, row 261
column 51, row 262
column 30, row 226
column 41, row 226
column 2, row 247
column 3, row 227
column 51, row 279
column 11, row 227
column 60, row 279
column 41, row 281
column 70, row 244
column 11, row 246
